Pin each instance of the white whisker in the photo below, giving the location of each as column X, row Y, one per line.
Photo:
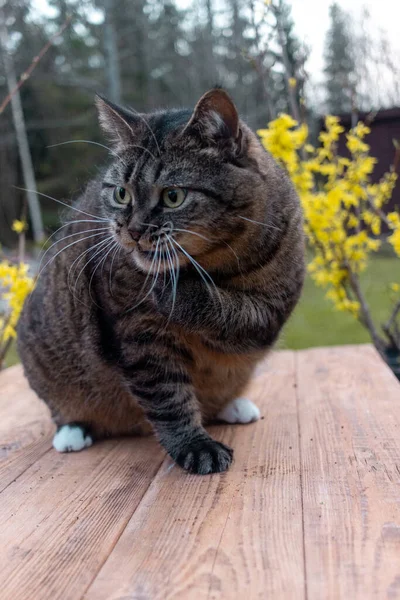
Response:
column 148, row 127
column 148, row 224
column 260, row 223
column 63, row 203
column 65, row 248
column 100, row 246
column 112, row 248
column 70, row 236
column 154, row 278
column 118, row 248
column 89, row 142
column 176, row 274
column 173, row 279
column 200, row 271
column 208, row 240
column 105, row 249
column 143, row 148
column 66, row 225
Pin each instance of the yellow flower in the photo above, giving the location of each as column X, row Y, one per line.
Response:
column 395, row 287
column 18, row 226
column 394, row 239
column 354, row 144
column 338, row 200
column 292, row 82
column 15, row 284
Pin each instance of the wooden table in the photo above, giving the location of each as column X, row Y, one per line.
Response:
column 309, row 509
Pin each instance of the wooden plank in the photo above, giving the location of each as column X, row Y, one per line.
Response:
column 61, row 518
column 349, row 408
column 25, row 426
column 234, row 535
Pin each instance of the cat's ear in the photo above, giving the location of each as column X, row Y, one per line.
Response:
column 118, row 123
column 215, row 117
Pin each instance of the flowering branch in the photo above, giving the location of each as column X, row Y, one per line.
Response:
column 4, row 349
column 344, row 212
column 15, row 285
column 26, row 74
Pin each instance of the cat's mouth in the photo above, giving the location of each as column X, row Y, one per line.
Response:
column 154, row 261
column 161, row 253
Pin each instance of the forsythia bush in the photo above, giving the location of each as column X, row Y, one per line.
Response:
column 15, row 285
column 342, row 208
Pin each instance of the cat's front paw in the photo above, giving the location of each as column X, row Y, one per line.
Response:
column 205, row 456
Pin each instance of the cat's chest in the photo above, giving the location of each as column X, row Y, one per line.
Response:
column 218, row 377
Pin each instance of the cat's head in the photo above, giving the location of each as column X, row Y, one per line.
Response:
column 182, row 183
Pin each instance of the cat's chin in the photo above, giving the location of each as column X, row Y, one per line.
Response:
column 146, row 263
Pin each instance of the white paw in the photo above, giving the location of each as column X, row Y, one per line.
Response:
column 240, row 410
column 71, row 438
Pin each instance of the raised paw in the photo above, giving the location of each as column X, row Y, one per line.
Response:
column 71, row 438
column 240, row 410
column 205, row 456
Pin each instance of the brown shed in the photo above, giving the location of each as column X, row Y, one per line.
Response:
column 385, row 127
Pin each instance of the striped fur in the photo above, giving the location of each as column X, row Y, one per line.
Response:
column 105, row 339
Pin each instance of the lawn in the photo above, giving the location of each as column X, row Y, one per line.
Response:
column 12, row 356
column 315, row 322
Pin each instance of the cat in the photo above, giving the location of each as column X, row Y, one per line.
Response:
column 168, row 283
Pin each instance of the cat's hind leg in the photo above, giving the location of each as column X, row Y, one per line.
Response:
column 240, row 410
column 72, row 437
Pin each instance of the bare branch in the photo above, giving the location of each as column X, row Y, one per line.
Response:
column 26, row 74
column 287, row 71
column 365, row 315
column 3, row 351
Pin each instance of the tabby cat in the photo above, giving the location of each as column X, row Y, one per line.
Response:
column 167, row 285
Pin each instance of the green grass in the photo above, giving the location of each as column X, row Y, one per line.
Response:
column 12, row 356
column 315, row 322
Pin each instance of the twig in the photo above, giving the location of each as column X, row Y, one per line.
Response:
column 3, row 351
column 365, row 316
column 26, row 74
column 5, row 348
column 396, row 161
column 286, row 64
column 256, row 62
column 387, row 327
column 22, row 236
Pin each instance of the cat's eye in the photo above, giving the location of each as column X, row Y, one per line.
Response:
column 173, row 197
column 121, row 195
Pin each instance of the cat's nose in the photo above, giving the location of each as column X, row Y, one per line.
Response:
column 135, row 234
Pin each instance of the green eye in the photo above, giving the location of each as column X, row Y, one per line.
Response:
column 173, row 197
column 121, row 195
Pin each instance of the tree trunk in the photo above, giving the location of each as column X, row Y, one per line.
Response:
column 22, row 139
column 286, row 65
column 111, row 52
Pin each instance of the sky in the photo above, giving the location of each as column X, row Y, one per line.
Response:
column 311, row 19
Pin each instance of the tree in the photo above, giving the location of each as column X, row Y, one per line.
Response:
column 339, row 63
column 291, row 56
column 111, row 53
column 20, row 131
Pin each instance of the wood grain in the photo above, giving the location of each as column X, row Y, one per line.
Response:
column 25, row 426
column 60, row 520
column 349, row 408
column 310, row 508
column 233, row 535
